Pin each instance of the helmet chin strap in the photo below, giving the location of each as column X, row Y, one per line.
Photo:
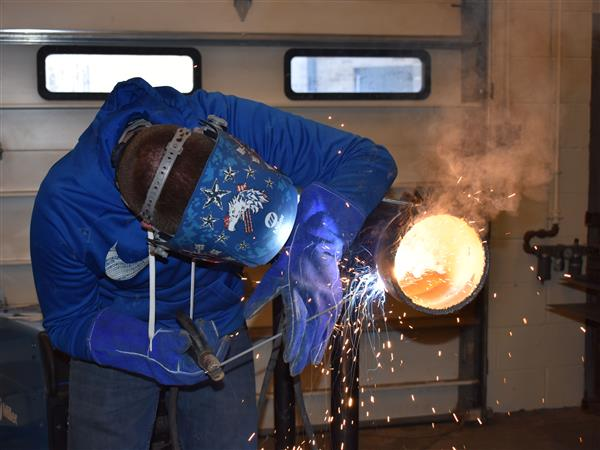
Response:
column 192, row 288
column 152, row 289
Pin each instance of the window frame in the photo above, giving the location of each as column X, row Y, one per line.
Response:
column 422, row 55
column 48, row 50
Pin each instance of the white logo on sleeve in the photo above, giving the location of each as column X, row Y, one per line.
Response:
column 119, row 270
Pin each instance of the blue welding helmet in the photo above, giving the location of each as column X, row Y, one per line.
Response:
column 242, row 209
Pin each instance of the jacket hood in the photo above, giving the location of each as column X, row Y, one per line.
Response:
column 129, row 100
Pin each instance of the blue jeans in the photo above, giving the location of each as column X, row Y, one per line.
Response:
column 113, row 409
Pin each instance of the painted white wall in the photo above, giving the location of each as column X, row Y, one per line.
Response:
column 539, row 363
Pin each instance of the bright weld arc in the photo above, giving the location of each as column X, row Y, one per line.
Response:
column 365, row 289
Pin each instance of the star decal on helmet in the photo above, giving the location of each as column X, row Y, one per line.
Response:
column 214, row 195
column 243, row 246
column 269, row 183
column 208, row 221
column 222, row 238
column 250, row 172
column 229, row 174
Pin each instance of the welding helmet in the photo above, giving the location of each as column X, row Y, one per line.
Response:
column 241, row 210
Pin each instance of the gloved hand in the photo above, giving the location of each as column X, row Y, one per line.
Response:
column 120, row 341
column 306, row 274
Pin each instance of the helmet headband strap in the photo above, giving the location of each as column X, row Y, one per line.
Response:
column 172, row 151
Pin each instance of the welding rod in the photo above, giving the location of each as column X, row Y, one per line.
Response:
column 275, row 336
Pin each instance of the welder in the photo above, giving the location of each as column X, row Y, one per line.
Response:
column 162, row 200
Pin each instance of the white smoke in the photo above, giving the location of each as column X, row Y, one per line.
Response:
column 479, row 176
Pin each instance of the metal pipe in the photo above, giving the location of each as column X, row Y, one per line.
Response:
column 284, row 405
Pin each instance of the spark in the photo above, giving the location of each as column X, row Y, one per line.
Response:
column 582, row 329
column 479, row 420
column 251, row 437
column 524, row 320
column 459, row 178
column 512, row 195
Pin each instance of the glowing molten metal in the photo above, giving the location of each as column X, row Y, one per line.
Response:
column 440, row 262
column 436, row 264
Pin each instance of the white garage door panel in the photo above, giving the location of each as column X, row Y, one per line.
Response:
column 398, row 403
column 17, row 283
column 24, row 170
column 410, row 17
column 15, row 217
column 257, row 73
column 43, row 129
column 393, row 403
column 410, row 127
column 414, row 358
column 18, row 76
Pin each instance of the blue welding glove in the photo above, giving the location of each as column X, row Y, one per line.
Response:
column 306, row 274
column 120, row 341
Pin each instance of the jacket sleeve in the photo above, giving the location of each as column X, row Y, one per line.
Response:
column 67, row 290
column 307, row 151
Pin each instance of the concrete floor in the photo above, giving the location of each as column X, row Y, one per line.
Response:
column 552, row 429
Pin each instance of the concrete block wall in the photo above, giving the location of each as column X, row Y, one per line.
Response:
column 535, row 356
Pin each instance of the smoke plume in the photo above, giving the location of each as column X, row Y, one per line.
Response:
column 479, row 174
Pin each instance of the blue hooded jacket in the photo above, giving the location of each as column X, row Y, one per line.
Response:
column 79, row 216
